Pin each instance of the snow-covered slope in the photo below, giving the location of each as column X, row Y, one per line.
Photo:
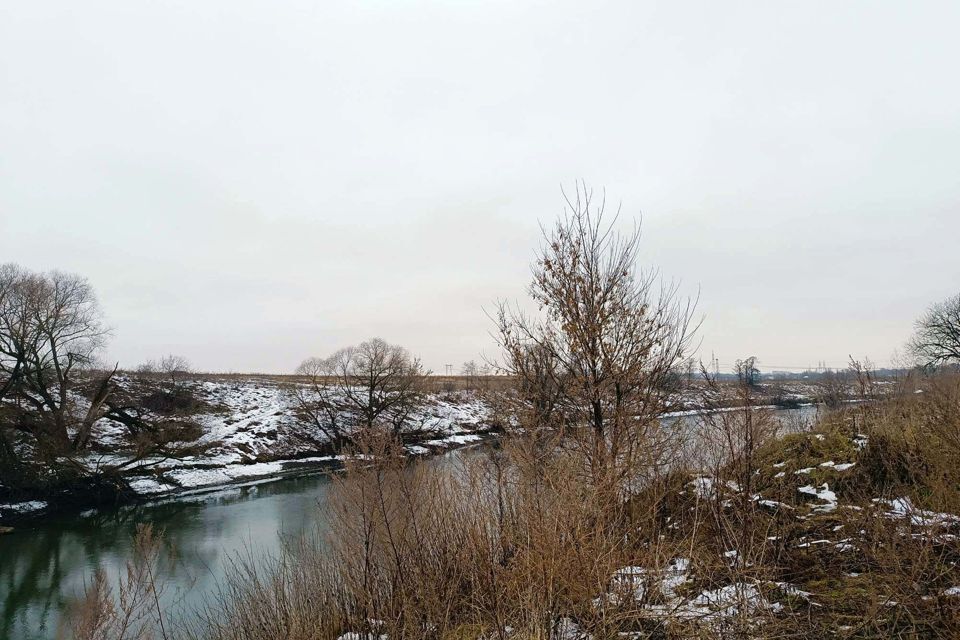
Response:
column 255, row 430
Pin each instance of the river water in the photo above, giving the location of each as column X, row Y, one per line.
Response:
column 44, row 566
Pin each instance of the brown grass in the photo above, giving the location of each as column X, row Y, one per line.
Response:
column 523, row 542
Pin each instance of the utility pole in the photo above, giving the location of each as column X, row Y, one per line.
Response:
column 449, row 368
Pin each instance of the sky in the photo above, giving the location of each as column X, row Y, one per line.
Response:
column 249, row 183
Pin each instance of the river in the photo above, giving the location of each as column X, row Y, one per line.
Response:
column 45, row 565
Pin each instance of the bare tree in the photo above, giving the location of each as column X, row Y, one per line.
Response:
column 11, row 360
column 611, row 334
column 862, row 371
column 51, row 330
column 11, row 363
column 164, row 384
column 171, row 368
column 368, row 385
column 540, row 386
column 318, row 400
column 936, row 340
column 747, row 371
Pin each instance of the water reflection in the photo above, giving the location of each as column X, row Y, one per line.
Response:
column 42, row 568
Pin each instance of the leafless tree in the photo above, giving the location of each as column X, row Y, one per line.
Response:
column 51, row 330
column 369, row 385
column 540, row 387
column 690, row 370
column 319, row 402
column 11, row 364
column 936, row 339
column 747, row 371
column 862, row 371
column 171, row 368
column 11, row 361
column 607, row 337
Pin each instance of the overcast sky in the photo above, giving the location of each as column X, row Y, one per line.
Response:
column 250, row 183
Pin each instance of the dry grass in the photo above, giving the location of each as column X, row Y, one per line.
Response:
column 132, row 610
column 524, row 542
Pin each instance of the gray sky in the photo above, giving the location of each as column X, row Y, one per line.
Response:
column 250, row 183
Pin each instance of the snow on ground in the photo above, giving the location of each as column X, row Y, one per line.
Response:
column 23, row 507
column 904, row 508
column 453, row 440
column 824, row 494
column 254, row 430
column 656, row 593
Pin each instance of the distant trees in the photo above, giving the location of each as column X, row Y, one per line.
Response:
column 747, row 371
column 171, row 368
column 368, row 385
column 936, row 339
column 603, row 351
column 477, row 375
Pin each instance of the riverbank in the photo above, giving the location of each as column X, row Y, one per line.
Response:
column 851, row 529
column 48, row 561
column 252, row 430
column 202, row 481
column 806, row 485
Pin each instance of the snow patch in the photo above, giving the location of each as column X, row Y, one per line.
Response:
column 28, row 506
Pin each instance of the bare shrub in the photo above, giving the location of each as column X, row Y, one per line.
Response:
column 864, row 377
column 943, row 419
column 832, row 388
column 166, row 391
column 512, row 540
column 729, row 438
column 132, row 610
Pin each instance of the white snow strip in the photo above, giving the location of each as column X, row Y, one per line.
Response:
column 23, row 507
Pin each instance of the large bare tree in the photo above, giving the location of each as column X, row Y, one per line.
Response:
column 600, row 353
column 51, row 330
column 368, row 385
column 936, row 340
column 52, row 394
